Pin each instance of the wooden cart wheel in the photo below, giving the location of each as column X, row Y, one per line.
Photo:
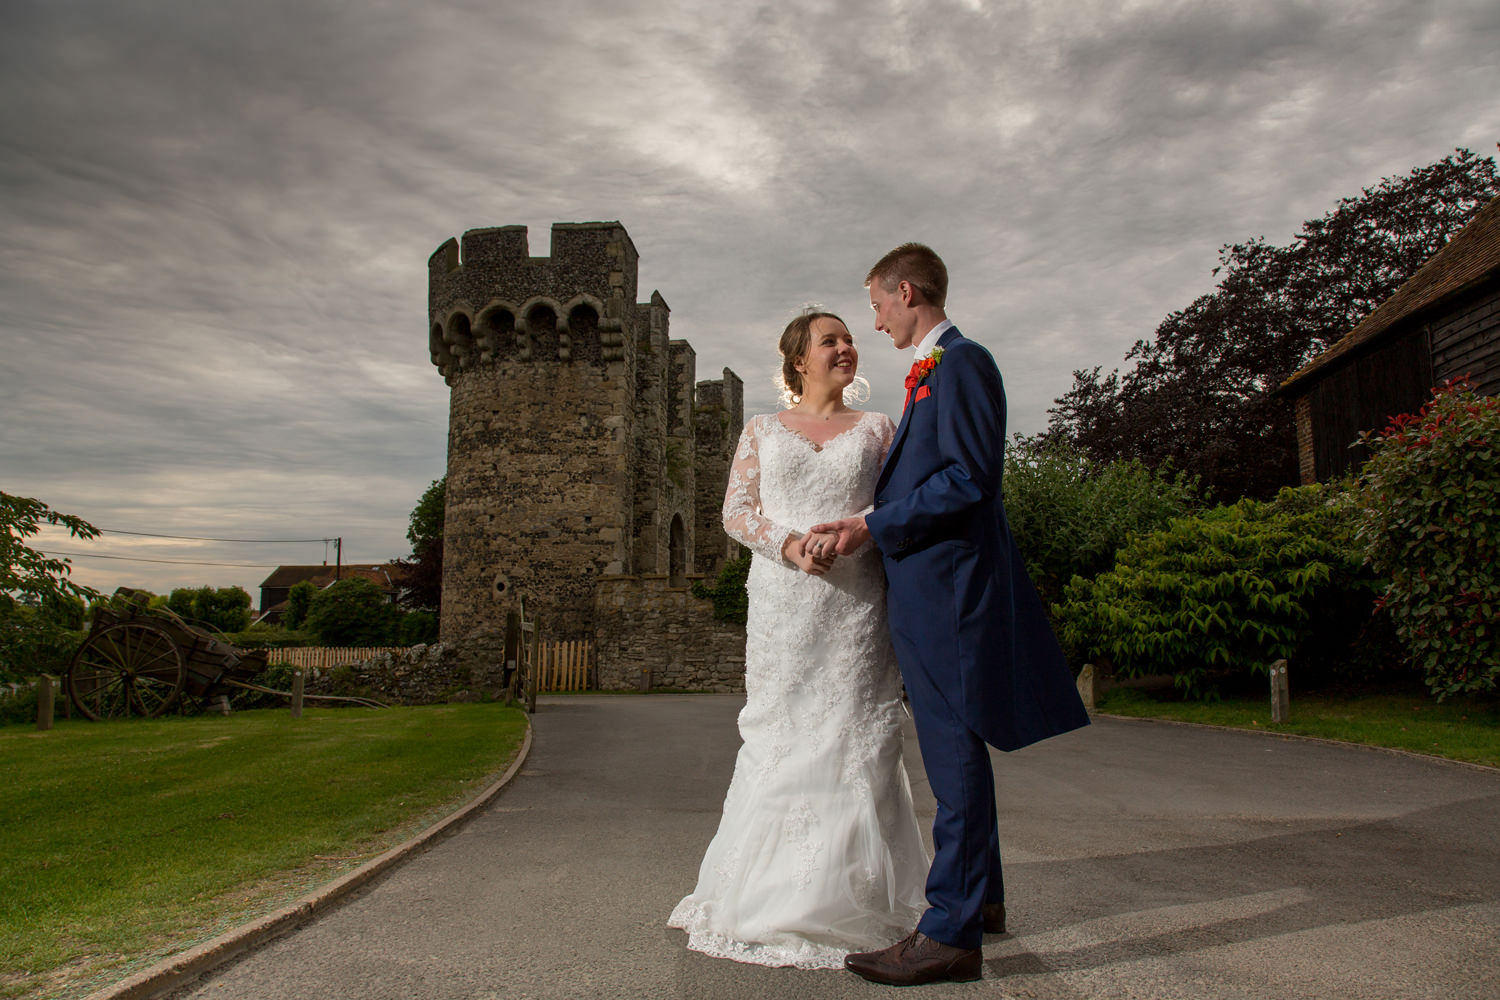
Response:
column 127, row 669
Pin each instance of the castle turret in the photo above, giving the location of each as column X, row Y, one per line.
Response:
column 572, row 423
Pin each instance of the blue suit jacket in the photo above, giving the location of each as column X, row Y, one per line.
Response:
column 962, row 608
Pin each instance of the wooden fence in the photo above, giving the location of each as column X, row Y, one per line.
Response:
column 323, row 657
column 567, row 666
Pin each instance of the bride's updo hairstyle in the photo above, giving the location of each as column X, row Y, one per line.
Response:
column 795, row 341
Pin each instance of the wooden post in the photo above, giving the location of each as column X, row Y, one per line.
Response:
column 1281, row 697
column 221, row 704
column 298, row 683
column 46, row 700
column 1086, row 686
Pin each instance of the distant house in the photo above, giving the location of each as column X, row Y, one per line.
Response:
column 274, row 588
column 1443, row 323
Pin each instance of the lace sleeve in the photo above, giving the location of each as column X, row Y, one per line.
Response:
column 887, row 429
column 743, row 520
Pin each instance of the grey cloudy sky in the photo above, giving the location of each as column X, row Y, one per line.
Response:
column 215, row 217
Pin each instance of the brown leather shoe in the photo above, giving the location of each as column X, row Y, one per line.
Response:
column 917, row 959
column 994, row 918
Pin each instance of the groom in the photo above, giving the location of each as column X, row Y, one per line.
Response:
column 979, row 660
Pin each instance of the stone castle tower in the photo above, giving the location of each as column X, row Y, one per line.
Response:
column 579, row 444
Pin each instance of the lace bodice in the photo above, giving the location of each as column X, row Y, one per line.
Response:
column 781, row 483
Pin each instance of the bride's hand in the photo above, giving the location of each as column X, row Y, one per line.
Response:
column 811, row 553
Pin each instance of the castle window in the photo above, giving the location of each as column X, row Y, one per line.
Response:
column 677, row 554
column 460, row 339
column 497, row 334
column 583, row 325
column 541, row 323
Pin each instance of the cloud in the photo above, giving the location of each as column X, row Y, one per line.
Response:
column 215, row 219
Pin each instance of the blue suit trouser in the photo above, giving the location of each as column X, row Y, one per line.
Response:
column 965, row 870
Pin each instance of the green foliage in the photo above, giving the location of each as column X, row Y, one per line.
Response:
column 417, row 627
column 298, row 599
column 263, row 636
column 731, row 600
column 41, row 609
column 1232, row 589
column 226, row 609
column 352, row 612
column 26, row 574
column 426, row 522
column 1070, row 515
column 422, row 572
column 19, row 707
column 36, row 640
column 1431, row 491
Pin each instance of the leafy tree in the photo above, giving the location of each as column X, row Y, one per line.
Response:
column 28, row 575
column 422, row 571
column 426, row 521
column 226, row 609
column 1070, row 514
column 352, row 612
column 1199, row 394
column 40, row 607
column 298, row 600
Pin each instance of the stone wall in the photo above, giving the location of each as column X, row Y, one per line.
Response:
column 420, row 675
column 650, row 634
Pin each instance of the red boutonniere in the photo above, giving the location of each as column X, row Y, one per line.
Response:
column 918, row 374
column 923, row 368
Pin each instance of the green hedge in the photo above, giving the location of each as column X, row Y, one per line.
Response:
column 1228, row 591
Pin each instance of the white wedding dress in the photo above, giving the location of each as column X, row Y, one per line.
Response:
column 818, row 852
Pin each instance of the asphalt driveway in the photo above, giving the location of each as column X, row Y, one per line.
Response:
column 1144, row 860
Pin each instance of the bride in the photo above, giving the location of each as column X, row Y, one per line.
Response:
column 818, row 852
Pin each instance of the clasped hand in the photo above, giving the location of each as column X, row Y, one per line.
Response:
column 812, row 553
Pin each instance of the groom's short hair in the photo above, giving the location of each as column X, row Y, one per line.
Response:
column 918, row 266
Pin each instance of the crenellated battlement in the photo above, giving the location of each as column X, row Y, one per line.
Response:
column 490, row 300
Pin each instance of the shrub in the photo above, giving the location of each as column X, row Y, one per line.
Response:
column 263, row 636
column 1431, row 496
column 19, row 706
column 38, row 640
column 417, row 627
column 352, row 612
column 1070, row 515
column 731, row 600
column 1232, row 589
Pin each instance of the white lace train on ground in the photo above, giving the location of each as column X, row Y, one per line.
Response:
column 818, row 851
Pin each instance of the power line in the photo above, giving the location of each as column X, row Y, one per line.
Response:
column 202, row 538
column 175, row 562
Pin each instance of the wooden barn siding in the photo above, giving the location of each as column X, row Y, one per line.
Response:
column 1466, row 341
column 1362, row 395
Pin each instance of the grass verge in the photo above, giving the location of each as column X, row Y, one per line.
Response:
column 1459, row 730
column 131, row 840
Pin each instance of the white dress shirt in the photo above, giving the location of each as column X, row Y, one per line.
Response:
column 927, row 343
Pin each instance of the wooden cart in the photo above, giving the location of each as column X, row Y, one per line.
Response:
column 142, row 661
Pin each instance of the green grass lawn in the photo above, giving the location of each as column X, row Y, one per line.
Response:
column 1460, row 730
column 130, row 840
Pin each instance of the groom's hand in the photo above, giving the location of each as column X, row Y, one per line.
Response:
column 852, row 532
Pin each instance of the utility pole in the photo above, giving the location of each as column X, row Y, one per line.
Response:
column 338, row 558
